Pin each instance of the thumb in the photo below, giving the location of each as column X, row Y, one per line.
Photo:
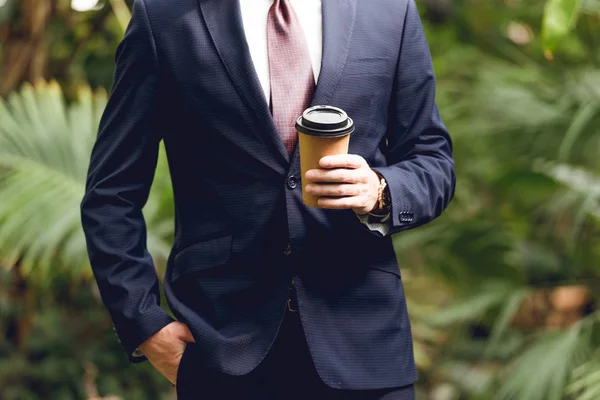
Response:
column 185, row 334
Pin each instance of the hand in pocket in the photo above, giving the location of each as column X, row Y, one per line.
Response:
column 165, row 348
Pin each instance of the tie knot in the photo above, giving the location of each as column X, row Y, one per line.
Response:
column 282, row 11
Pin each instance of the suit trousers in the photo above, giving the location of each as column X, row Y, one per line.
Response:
column 286, row 373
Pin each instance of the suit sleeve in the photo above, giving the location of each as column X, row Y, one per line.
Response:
column 120, row 174
column 420, row 172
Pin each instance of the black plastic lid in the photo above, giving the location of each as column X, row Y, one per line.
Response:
column 325, row 121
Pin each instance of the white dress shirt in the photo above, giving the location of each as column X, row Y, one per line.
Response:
column 309, row 13
column 254, row 17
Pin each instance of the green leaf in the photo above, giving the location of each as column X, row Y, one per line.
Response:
column 560, row 17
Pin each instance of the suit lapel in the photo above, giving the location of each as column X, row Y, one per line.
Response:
column 338, row 22
column 224, row 21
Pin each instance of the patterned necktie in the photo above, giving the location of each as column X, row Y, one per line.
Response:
column 290, row 68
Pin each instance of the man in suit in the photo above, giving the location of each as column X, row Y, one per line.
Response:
column 272, row 299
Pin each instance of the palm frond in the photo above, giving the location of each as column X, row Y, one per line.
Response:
column 510, row 308
column 585, row 380
column 583, row 185
column 45, row 145
column 541, row 371
column 476, row 305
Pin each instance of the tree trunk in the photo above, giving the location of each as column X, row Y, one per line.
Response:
column 24, row 44
column 25, row 300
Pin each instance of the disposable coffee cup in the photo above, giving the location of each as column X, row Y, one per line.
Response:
column 322, row 131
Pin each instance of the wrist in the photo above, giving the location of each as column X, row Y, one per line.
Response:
column 383, row 203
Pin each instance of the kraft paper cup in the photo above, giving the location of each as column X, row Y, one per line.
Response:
column 322, row 131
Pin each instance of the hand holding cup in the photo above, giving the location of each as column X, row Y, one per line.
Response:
column 344, row 181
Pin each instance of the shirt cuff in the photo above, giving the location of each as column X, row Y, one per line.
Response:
column 137, row 353
column 376, row 224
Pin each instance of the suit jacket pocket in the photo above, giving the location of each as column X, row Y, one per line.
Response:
column 202, row 256
column 369, row 66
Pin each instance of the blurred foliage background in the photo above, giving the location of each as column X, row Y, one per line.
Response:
column 503, row 288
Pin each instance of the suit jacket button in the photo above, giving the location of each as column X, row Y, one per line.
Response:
column 116, row 334
column 405, row 217
column 292, row 182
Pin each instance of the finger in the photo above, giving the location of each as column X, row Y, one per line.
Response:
column 341, row 203
column 172, row 377
column 340, row 175
column 187, row 335
column 351, row 161
column 334, row 190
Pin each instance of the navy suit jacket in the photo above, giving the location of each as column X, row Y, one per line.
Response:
column 184, row 75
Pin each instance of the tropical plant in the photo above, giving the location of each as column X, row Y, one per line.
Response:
column 522, row 229
column 45, row 145
column 70, row 351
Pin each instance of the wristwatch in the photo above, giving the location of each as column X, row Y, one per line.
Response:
column 384, row 204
